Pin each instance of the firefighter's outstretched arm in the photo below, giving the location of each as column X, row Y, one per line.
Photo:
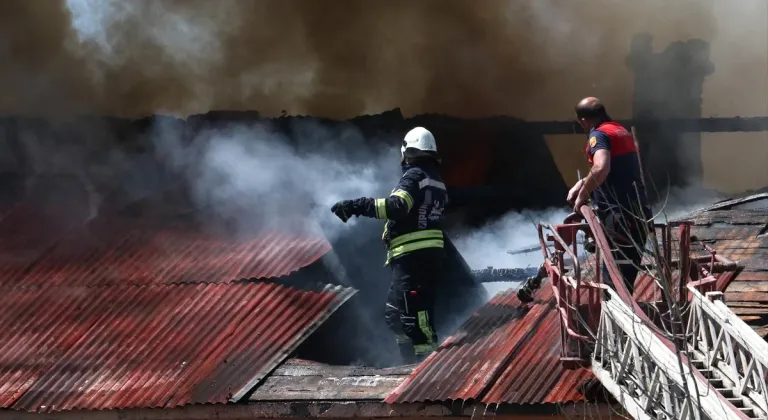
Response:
column 395, row 207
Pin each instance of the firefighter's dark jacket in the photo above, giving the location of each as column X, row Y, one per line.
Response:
column 414, row 210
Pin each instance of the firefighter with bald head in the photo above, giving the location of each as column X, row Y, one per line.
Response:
column 413, row 236
column 615, row 186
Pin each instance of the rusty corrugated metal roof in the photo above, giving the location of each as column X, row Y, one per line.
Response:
column 124, row 251
column 535, row 374
column 50, row 240
column 150, row 346
column 502, row 354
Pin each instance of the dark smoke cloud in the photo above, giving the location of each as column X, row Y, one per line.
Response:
column 340, row 58
column 337, row 59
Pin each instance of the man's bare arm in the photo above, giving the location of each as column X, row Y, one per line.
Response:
column 601, row 167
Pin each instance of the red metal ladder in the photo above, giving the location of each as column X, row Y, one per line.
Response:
column 711, row 367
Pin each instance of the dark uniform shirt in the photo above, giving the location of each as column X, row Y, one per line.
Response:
column 623, row 189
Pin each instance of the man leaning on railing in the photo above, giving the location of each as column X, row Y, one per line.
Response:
column 615, row 185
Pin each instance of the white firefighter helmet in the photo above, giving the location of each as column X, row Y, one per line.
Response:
column 420, row 139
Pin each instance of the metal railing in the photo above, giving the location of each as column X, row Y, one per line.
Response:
column 579, row 300
column 645, row 376
column 571, row 292
column 721, row 341
column 648, row 370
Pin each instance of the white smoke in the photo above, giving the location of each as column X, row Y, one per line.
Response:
column 681, row 201
column 254, row 178
column 187, row 38
column 488, row 246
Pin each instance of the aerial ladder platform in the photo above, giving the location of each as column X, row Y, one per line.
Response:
column 682, row 354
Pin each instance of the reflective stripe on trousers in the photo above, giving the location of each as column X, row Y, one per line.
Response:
column 430, row 346
column 420, row 349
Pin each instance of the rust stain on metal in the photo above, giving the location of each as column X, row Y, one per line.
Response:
column 118, row 251
column 150, row 346
column 506, row 354
column 503, row 354
column 536, row 375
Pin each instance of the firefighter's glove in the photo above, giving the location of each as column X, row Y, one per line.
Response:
column 345, row 209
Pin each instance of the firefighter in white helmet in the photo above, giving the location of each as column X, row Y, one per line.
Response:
column 414, row 238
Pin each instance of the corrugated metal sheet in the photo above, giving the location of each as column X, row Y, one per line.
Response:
column 119, row 251
column 151, row 346
column 503, row 355
column 534, row 374
column 52, row 236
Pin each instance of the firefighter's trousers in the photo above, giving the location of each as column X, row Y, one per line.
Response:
column 411, row 300
column 627, row 238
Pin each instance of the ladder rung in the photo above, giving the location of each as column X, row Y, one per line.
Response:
column 737, row 402
column 748, row 412
column 726, row 392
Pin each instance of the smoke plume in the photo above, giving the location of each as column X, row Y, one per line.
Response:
column 252, row 177
column 680, row 201
column 488, row 245
column 335, row 59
